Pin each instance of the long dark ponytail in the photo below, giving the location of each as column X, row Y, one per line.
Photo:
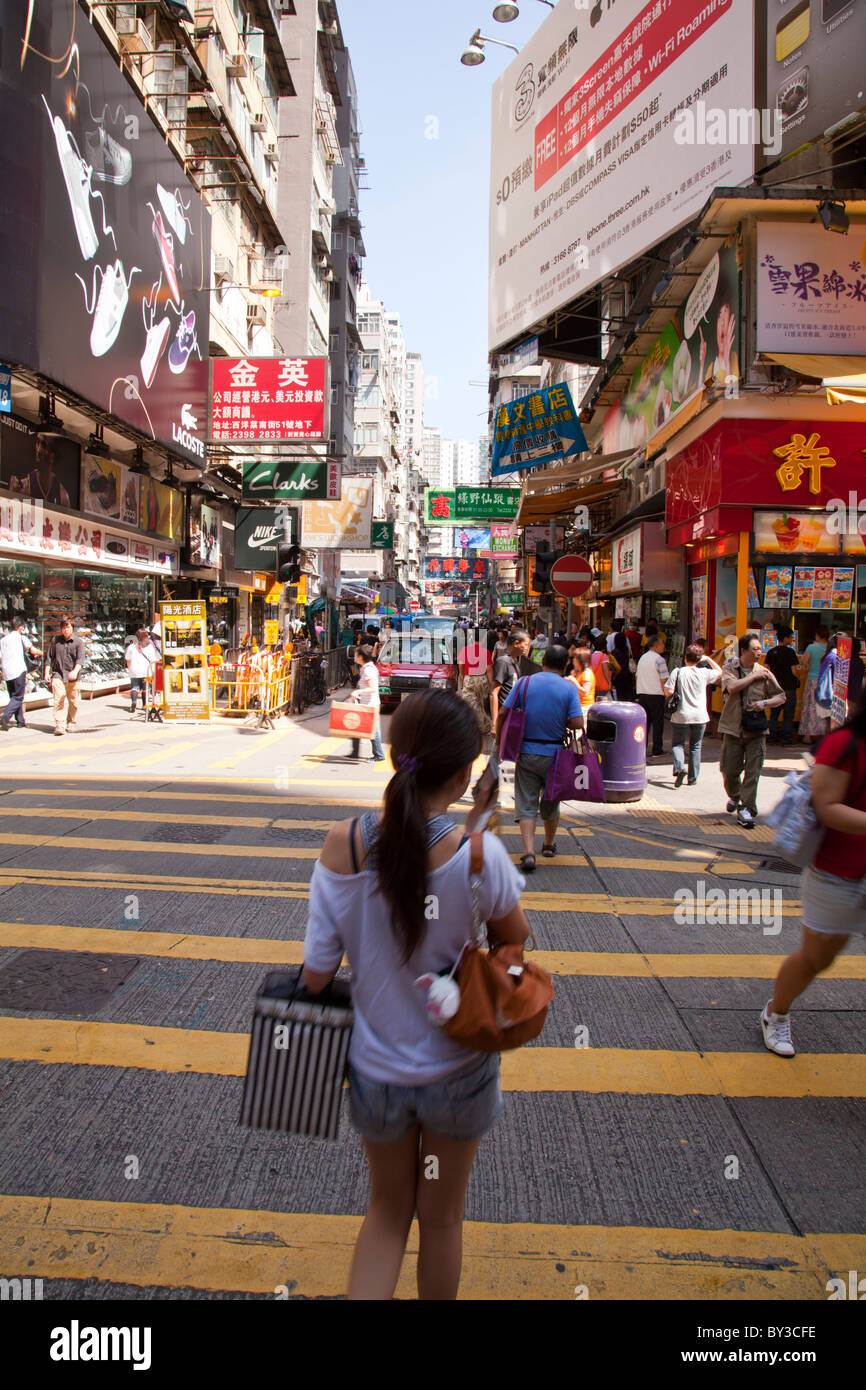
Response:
column 434, row 734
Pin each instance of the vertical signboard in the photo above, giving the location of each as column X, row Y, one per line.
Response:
column 186, row 689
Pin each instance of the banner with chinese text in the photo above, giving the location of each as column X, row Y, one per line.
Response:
column 186, row 689
column 811, row 289
column 268, row 399
column 450, row 568
column 472, row 505
column 536, row 429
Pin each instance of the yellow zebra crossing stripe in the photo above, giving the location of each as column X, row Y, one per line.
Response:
column 267, row 951
column 148, row 1244
column 595, row 1070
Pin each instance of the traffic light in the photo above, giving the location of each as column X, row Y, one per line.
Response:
column 544, row 562
column 288, row 564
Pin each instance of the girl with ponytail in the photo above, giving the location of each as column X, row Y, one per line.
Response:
column 392, row 892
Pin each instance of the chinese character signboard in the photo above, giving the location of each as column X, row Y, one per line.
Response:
column 539, row 428
column 382, row 535
column 267, row 399
column 450, row 568
column 186, row 693
column 474, row 505
column 343, row 525
column 811, row 289
column 625, row 573
column 29, row 528
column 841, row 675
column 822, row 587
column 511, row 599
column 282, row 480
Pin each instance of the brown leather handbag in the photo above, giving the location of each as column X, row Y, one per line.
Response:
column 503, row 998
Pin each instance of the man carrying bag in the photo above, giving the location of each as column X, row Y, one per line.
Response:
column 749, row 689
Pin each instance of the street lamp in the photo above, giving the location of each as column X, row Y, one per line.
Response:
column 505, row 13
column 474, row 53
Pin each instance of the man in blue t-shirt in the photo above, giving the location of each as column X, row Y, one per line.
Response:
column 552, row 707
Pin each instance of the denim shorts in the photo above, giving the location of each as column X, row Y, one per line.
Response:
column 462, row 1106
column 833, row 906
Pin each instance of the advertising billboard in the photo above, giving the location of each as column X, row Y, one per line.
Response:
column 285, row 480
column 106, row 247
column 598, row 151
column 701, row 343
column 205, row 540
column 258, row 532
column 814, row 65
column 536, row 429
column 186, row 683
column 39, row 464
column 266, row 399
column 109, row 490
column 343, row 525
column 811, row 289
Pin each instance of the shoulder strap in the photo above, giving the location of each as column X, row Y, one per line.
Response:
column 476, row 854
column 352, row 828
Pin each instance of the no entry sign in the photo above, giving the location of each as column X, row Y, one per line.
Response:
column 571, row 576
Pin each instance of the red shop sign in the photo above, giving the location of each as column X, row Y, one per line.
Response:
column 768, row 463
column 261, row 399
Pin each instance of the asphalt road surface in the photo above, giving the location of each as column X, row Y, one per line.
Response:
column 650, row 1147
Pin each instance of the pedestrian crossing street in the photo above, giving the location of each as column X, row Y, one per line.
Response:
column 137, row 920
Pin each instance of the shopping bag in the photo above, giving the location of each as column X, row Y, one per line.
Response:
column 798, row 831
column 575, row 775
column 514, row 728
column 297, row 1058
column 349, row 720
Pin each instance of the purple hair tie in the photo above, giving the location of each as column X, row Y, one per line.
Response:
column 408, row 764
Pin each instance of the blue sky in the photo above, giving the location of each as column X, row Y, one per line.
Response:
column 425, row 213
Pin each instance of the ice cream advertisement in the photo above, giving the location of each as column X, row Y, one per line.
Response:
column 700, row 344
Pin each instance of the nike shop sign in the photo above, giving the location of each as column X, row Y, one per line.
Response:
column 258, row 532
column 106, row 242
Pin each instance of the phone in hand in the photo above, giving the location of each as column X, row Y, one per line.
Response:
column 485, row 794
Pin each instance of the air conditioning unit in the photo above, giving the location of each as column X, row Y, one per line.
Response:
column 223, row 268
column 256, row 314
column 258, row 122
column 237, row 65
column 272, row 153
column 133, row 35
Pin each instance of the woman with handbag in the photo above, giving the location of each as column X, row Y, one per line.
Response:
column 687, row 686
column 623, row 677
column 394, row 891
column 367, row 693
column 832, row 887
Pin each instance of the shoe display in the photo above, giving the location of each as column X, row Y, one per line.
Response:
column 110, row 308
column 110, row 161
column 166, row 251
column 77, row 178
column 174, row 213
column 776, row 1029
column 157, row 337
column 185, row 342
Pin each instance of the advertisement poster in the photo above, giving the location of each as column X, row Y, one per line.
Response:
column 205, row 546
column 266, row 399
column 814, row 69
column 39, row 465
column 472, row 538
column 595, row 157
column 700, row 344
column 106, row 242
column 726, row 604
column 841, row 675
column 186, row 691
column 108, row 489
column 752, row 600
column 810, row 289
column 626, row 558
column 788, row 533
column 540, row 428
column 699, row 607
column 777, row 586
column 160, row 511
column 343, row 525
column 823, row 587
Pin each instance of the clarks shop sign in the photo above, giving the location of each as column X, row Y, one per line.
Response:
column 273, row 480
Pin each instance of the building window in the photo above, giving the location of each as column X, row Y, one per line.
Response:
column 370, row 362
column 335, row 395
column 335, row 342
column 337, row 241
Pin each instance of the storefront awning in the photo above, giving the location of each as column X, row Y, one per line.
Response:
column 541, row 507
column 577, row 471
column 844, row 377
column 846, row 390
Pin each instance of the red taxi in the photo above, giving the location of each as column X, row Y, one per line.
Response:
column 422, row 658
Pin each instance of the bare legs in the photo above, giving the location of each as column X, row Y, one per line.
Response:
column 797, row 972
column 527, row 831
column 403, row 1179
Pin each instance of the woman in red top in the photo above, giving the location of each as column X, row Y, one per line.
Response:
column 833, row 887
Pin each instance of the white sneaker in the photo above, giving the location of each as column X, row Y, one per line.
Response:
column 110, row 308
column 77, row 178
column 745, row 818
column 777, row 1032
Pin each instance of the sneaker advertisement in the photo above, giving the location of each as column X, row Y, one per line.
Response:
column 104, row 236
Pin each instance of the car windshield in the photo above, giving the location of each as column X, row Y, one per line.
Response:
column 418, row 649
